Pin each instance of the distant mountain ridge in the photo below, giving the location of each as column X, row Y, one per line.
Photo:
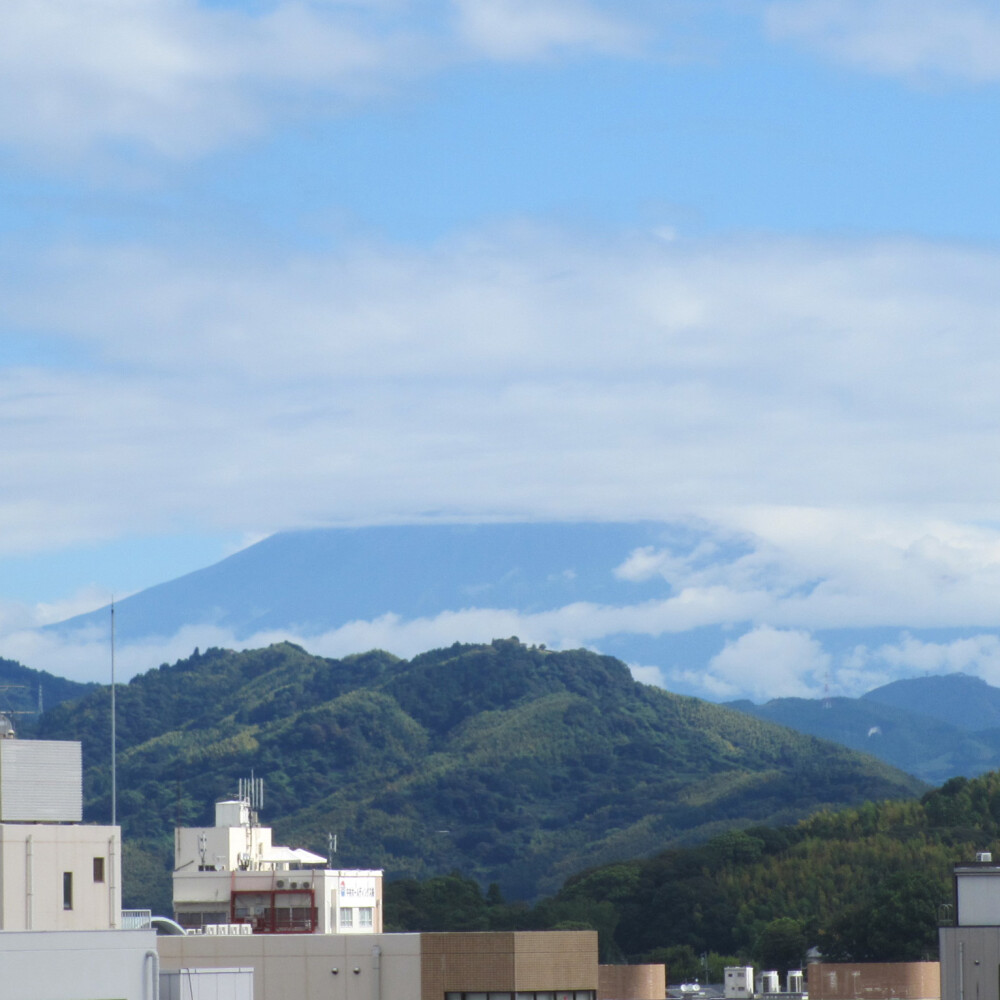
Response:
column 515, row 764
column 611, row 586
column 23, row 689
column 322, row 578
column 935, row 727
column 958, row 699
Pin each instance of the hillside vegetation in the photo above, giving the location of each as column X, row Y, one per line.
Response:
column 515, row 765
column 22, row 688
column 867, row 883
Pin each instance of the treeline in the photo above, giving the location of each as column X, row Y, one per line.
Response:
column 863, row 884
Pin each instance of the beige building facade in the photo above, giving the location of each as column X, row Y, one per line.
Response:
column 631, row 982
column 874, row 981
column 547, row 965
column 59, row 878
column 60, row 886
column 55, row 873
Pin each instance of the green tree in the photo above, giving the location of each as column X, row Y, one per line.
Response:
column 781, row 945
column 895, row 921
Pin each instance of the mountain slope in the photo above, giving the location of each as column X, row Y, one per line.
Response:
column 22, row 689
column 887, row 724
column 965, row 702
column 518, row 765
column 319, row 579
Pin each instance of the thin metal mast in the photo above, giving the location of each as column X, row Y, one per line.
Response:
column 114, row 775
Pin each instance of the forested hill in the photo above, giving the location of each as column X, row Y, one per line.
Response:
column 514, row 764
column 867, row 883
column 21, row 690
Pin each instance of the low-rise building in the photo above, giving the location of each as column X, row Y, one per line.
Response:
column 516, row 965
column 61, row 933
column 56, row 874
column 232, row 873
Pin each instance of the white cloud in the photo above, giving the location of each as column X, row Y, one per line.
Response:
column 911, row 38
column 522, row 374
column 822, row 413
column 529, row 29
column 180, row 77
column 764, row 663
column 647, row 675
column 18, row 615
column 826, row 568
column 978, row 655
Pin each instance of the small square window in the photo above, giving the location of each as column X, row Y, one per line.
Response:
column 98, row 869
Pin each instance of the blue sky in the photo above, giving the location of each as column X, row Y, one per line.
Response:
column 269, row 265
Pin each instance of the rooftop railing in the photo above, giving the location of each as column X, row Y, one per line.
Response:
column 137, row 920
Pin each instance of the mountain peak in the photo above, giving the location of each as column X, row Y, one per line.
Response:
column 959, row 699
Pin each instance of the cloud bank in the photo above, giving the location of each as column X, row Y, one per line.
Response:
column 486, row 373
column 945, row 39
column 180, row 77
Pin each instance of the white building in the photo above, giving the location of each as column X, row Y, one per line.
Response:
column 738, row 983
column 55, row 873
column 60, row 886
column 232, row 873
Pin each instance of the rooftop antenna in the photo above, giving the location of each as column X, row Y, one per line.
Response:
column 114, row 774
column 251, row 791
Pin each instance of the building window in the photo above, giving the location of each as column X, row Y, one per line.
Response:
column 364, row 916
column 347, row 916
column 98, row 869
column 67, row 890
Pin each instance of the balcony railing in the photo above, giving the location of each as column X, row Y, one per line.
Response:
column 137, row 920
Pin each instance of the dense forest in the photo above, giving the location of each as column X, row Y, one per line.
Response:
column 869, row 883
column 513, row 764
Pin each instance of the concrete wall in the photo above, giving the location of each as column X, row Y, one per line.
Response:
column 509, row 961
column 970, row 963
column 631, row 982
column 308, row 966
column 875, row 981
column 206, row 984
column 408, row 967
column 77, row 965
column 33, row 858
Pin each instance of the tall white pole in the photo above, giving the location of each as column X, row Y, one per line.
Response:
column 114, row 775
